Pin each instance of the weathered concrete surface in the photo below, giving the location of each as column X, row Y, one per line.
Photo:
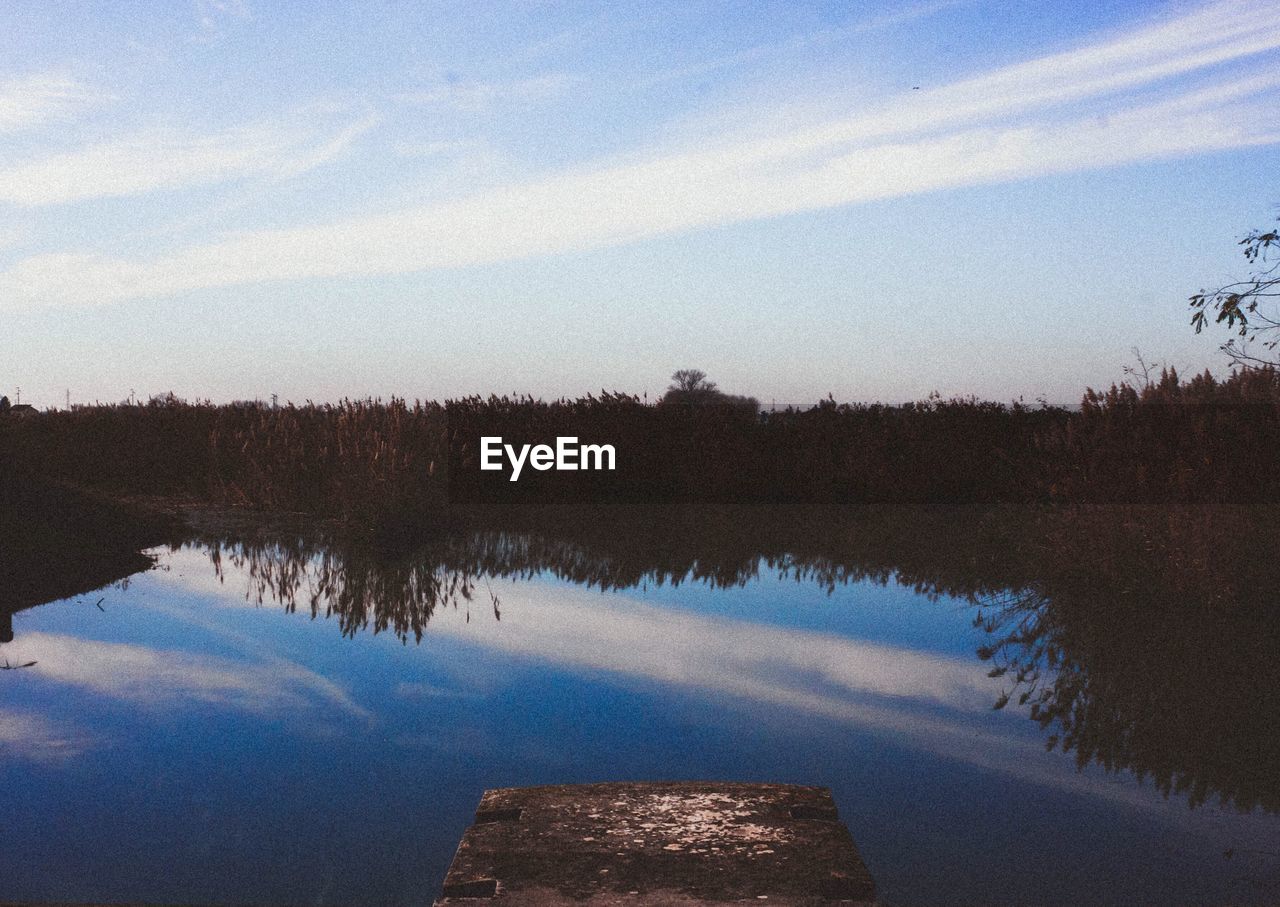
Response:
column 657, row 843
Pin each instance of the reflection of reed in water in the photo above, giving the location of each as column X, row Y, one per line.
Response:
column 1150, row 645
column 352, row 584
column 366, row 585
column 953, row 553
column 1141, row 642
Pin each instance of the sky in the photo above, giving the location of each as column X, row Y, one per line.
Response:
column 229, row 199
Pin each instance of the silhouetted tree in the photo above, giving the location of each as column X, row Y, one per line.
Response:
column 690, row 385
column 1249, row 306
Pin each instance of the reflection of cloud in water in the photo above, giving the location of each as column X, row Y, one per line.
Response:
column 417, row 691
column 918, row 700
column 570, row 626
column 160, row 678
column 27, row 736
column 190, row 570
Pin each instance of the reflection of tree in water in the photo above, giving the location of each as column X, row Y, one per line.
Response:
column 351, row 583
column 366, row 586
column 1152, row 646
column 956, row 553
column 1144, row 645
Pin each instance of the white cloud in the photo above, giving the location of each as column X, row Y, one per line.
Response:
column 1020, row 122
column 28, row 102
column 159, row 160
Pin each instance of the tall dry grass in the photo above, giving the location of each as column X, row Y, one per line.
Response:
column 353, row 460
column 1168, row 441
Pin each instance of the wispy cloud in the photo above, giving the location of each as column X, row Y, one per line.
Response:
column 39, row 738
column 1137, row 96
column 13, row 234
column 212, row 16
column 31, row 101
column 159, row 160
column 302, row 159
column 154, row 678
column 800, row 43
column 472, row 96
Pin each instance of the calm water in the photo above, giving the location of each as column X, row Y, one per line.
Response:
column 287, row 721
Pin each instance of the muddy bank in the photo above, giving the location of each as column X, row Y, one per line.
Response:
column 57, row 542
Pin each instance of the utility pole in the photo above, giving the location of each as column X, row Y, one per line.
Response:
column 68, row 399
column 17, row 396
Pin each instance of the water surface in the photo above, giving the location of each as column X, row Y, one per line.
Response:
column 274, row 718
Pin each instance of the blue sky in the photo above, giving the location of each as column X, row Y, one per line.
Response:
column 875, row 200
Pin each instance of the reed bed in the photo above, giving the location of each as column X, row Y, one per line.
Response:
column 394, row 462
column 933, row 453
column 357, row 460
column 1170, row 441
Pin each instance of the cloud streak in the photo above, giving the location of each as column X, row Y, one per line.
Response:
column 1093, row 107
column 752, row 55
column 155, row 678
column 166, row 160
column 473, row 97
column 32, row 101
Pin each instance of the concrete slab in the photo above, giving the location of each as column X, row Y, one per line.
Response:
column 657, row 844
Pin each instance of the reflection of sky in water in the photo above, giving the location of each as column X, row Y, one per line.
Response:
column 186, row 746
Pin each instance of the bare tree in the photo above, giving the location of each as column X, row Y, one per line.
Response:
column 690, row 385
column 691, row 381
column 1248, row 306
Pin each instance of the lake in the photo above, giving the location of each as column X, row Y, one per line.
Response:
column 282, row 715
